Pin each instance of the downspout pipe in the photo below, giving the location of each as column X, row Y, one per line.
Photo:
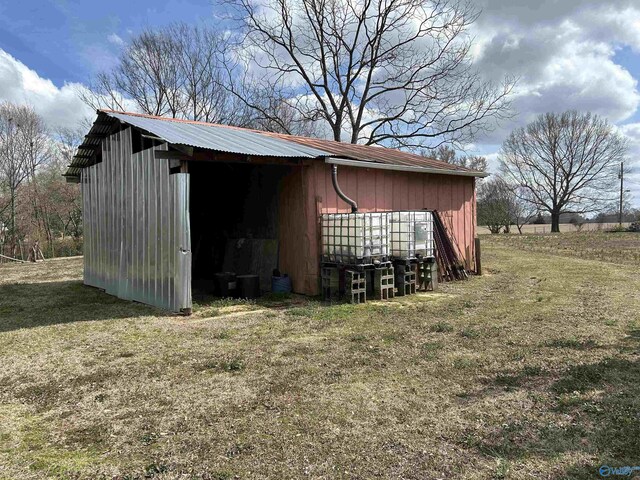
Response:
column 336, row 187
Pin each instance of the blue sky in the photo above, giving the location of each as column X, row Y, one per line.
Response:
column 580, row 54
column 66, row 41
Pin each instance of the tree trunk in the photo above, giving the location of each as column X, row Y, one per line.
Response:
column 13, row 215
column 555, row 222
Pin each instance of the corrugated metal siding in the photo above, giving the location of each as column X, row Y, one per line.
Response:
column 136, row 224
column 381, row 190
column 219, row 138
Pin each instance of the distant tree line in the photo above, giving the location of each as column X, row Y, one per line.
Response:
column 36, row 204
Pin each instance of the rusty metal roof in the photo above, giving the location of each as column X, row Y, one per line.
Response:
column 245, row 141
column 368, row 153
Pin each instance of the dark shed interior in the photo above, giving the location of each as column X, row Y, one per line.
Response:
column 234, row 221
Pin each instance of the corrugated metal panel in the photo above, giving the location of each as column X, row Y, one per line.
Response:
column 218, row 137
column 244, row 141
column 136, row 224
column 369, row 153
column 256, row 142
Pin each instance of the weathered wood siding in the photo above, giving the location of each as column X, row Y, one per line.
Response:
column 309, row 193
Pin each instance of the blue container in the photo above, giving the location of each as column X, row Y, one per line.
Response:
column 281, row 284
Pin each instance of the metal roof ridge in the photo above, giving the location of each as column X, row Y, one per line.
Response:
column 318, row 144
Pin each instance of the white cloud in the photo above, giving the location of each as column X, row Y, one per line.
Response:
column 562, row 53
column 115, row 39
column 58, row 106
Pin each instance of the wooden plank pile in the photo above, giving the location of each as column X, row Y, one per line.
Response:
column 450, row 265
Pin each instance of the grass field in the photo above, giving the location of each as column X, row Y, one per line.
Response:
column 622, row 247
column 531, row 371
column 564, row 228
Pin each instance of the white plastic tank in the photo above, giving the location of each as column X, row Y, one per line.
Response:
column 354, row 238
column 411, row 234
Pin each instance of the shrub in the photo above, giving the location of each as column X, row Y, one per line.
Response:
column 63, row 247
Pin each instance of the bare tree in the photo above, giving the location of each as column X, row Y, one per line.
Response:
column 65, row 198
column 24, row 146
column 565, row 163
column 449, row 155
column 495, row 205
column 174, row 71
column 446, row 154
column 375, row 72
column 522, row 208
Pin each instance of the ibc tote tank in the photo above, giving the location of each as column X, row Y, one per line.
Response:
column 354, row 238
column 411, row 234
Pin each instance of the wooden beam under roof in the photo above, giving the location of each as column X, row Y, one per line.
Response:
column 171, row 155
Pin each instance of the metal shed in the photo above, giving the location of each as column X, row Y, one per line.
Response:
column 169, row 202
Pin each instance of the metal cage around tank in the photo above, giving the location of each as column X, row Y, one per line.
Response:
column 354, row 238
column 410, row 234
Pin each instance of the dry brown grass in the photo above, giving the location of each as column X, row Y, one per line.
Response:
column 618, row 247
column 531, row 371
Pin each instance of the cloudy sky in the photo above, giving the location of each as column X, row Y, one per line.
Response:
column 579, row 54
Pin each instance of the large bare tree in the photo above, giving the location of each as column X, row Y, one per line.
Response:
column 564, row 163
column 373, row 71
column 174, row 71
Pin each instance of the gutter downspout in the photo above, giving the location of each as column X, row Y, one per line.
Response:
column 336, row 187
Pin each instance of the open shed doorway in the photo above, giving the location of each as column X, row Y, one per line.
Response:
column 234, row 211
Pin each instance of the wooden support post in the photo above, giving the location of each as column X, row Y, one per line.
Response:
column 478, row 259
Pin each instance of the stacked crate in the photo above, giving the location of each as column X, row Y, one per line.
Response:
column 386, row 254
column 405, row 280
column 330, row 283
column 427, row 275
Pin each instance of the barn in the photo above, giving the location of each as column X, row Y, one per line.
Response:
column 167, row 203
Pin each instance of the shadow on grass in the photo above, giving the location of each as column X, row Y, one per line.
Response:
column 591, row 409
column 29, row 305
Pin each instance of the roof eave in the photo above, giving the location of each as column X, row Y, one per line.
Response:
column 404, row 168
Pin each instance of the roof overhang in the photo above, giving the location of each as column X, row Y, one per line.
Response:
column 238, row 141
column 403, row 168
